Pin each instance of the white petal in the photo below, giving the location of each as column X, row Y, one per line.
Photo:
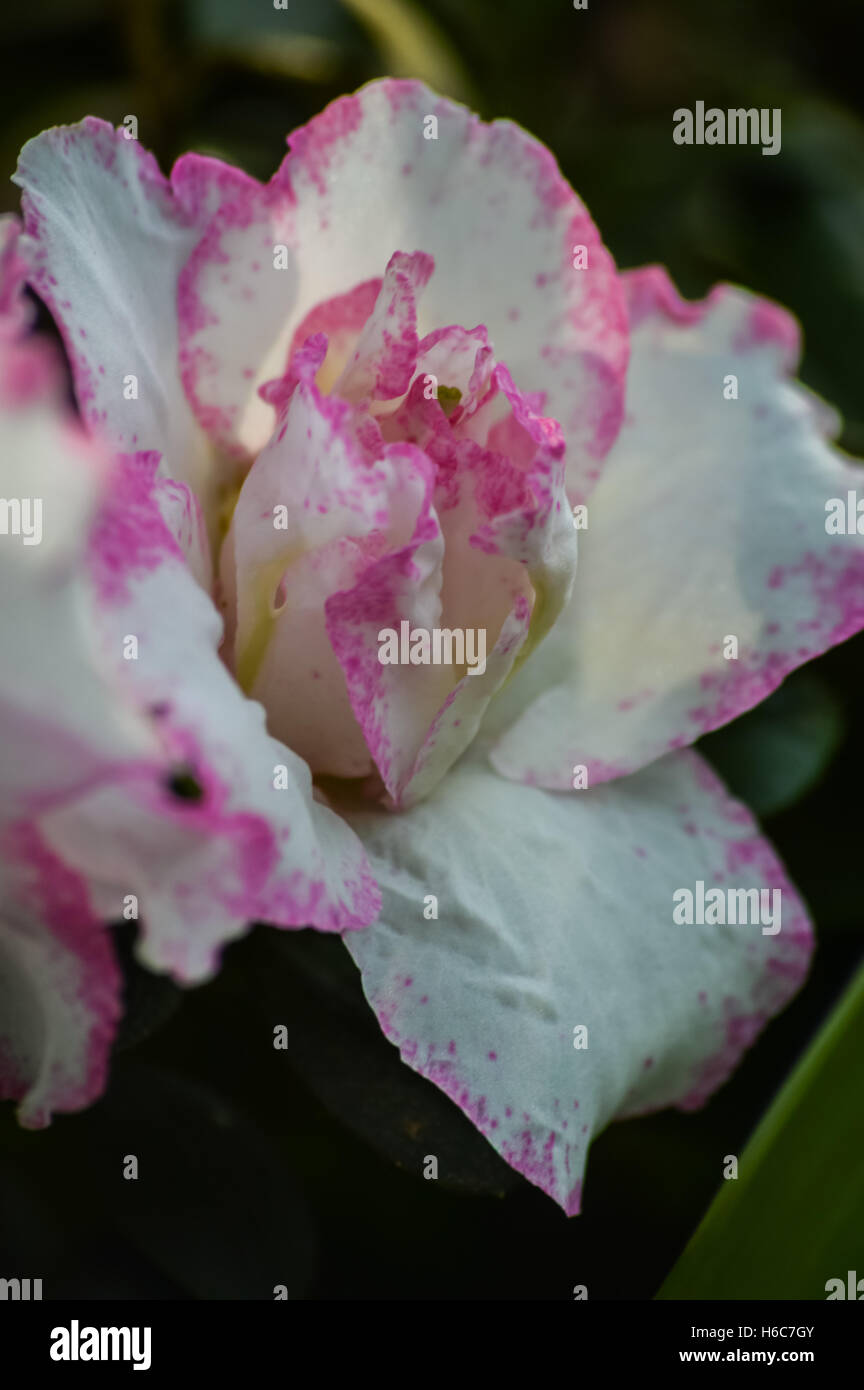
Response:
column 60, row 988
column 65, row 724
column 246, row 849
column 709, row 524
column 107, row 237
column 555, row 914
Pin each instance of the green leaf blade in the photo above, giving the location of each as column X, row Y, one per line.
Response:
column 794, row 1217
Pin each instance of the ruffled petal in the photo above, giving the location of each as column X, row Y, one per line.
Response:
column 60, row 988
column 107, row 238
column 434, row 530
column 60, row 734
column 509, row 560
column 487, row 202
column 385, row 358
column 535, row 972
column 313, row 514
column 59, row 983
column 707, row 572
column 235, row 295
column 235, row 835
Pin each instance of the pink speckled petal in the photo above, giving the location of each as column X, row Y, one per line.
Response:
column 249, row 848
column 555, row 913
column 64, row 723
column 59, row 984
column 486, row 202
column 709, row 523
column 439, row 530
column 60, row 988
column 107, row 237
column 384, row 361
column 509, row 563
column 344, row 511
column 234, row 299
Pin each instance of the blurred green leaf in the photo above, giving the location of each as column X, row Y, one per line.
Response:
column 773, row 754
column 794, row 1218
column 337, row 1048
column 412, row 45
column 305, row 41
column 213, row 1205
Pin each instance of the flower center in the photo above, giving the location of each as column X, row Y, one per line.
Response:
column 406, row 482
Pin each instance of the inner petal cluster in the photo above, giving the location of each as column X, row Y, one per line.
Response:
column 407, row 482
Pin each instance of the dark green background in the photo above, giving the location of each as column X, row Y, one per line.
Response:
column 303, row 1168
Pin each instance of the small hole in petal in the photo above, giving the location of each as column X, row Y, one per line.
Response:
column 185, row 786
